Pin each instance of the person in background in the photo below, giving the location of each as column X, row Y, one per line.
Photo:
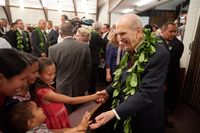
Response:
column 105, row 30
column 20, row 38
column 27, row 117
column 52, row 34
column 40, row 40
column 176, row 47
column 5, row 25
column 97, row 48
column 111, row 56
column 83, row 35
column 149, row 27
column 8, row 36
column 64, row 19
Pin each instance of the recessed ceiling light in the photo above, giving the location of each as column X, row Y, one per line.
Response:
column 143, row 2
column 127, row 10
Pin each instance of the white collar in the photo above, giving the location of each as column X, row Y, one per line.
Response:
column 20, row 31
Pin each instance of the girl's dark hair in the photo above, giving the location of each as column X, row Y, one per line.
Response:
column 12, row 62
column 16, row 118
column 43, row 63
column 31, row 59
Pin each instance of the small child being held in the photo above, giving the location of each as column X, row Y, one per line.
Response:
column 27, row 117
column 51, row 102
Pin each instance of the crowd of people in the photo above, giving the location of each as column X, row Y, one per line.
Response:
column 46, row 71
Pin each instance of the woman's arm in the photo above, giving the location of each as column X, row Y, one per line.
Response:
column 56, row 97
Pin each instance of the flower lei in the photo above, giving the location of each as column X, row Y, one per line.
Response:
column 20, row 45
column 140, row 59
column 40, row 37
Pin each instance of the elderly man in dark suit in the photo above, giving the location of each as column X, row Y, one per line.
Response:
column 73, row 62
column 52, row 34
column 146, row 106
column 39, row 40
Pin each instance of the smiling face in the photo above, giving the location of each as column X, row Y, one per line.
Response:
column 33, row 73
column 9, row 86
column 128, row 35
column 38, row 116
column 48, row 74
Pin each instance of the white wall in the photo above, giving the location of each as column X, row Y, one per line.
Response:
column 114, row 17
column 55, row 16
column 145, row 20
column 103, row 13
column 29, row 16
column 191, row 26
column 89, row 16
column 2, row 13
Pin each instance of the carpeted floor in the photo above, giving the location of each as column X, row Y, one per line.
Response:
column 185, row 119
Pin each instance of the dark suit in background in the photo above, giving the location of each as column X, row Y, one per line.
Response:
column 97, row 47
column 35, row 38
column 176, row 50
column 73, row 62
column 25, row 40
column 53, row 37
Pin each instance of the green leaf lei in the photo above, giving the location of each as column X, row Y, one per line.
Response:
column 40, row 37
column 139, row 60
column 20, row 45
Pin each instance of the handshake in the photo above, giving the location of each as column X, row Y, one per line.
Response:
column 101, row 96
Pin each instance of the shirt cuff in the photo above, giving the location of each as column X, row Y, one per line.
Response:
column 116, row 115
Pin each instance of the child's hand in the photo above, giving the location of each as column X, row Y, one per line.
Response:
column 83, row 126
column 102, row 96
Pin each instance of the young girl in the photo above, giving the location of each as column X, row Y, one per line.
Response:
column 27, row 117
column 52, row 102
column 23, row 93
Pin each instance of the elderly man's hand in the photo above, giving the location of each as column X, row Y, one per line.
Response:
column 102, row 119
column 103, row 96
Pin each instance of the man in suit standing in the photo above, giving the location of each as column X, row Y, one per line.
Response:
column 73, row 64
column 105, row 30
column 175, row 46
column 40, row 40
column 20, row 38
column 5, row 25
column 146, row 106
column 52, row 34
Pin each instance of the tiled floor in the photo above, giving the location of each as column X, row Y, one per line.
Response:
column 185, row 119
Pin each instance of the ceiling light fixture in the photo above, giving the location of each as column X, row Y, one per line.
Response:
column 143, row 2
column 127, row 10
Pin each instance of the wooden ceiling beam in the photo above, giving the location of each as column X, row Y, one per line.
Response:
column 44, row 10
column 75, row 7
column 7, row 11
